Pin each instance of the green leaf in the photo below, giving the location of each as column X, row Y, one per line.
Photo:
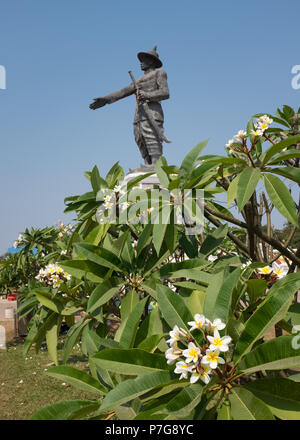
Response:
column 214, row 240
column 195, row 301
column 152, row 325
column 276, row 354
column 161, row 174
column 52, row 338
column 78, row 378
column 99, row 255
column 255, row 288
column 37, row 330
column 129, row 333
column 175, row 270
column 281, row 198
column 132, row 388
column 128, row 411
column 291, row 173
column 130, row 362
column 184, row 402
column 97, row 234
column 128, row 303
column 150, row 344
column 224, row 412
column 279, row 146
column 268, row 313
column 223, row 299
column 103, row 293
column 82, row 268
column 96, row 180
column 281, row 395
column 293, row 314
column 245, row 406
column 232, row 190
column 173, row 307
column 247, row 183
column 212, row 293
column 191, row 157
column 159, row 232
column 143, row 238
column 285, row 155
column 66, row 410
column 72, row 336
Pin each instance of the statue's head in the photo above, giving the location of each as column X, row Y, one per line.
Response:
column 149, row 59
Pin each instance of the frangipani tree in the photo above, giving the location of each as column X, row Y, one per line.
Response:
column 170, row 328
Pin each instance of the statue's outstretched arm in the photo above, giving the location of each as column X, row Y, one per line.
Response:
column 113, row 97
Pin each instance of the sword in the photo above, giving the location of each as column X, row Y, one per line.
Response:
column 148, row 113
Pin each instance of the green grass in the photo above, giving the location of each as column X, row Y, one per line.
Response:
column 18, row 401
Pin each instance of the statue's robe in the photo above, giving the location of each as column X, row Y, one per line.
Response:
column 154, row 83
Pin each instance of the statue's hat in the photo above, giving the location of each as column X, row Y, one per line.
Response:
column 153, row 54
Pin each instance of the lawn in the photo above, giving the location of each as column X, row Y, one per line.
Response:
column 24, row 385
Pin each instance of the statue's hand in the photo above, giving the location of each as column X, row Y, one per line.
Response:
column 142, row 95
column 98, row 102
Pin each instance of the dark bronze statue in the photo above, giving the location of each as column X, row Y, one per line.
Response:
column 150, row 89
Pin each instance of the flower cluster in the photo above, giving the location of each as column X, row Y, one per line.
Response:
column 19, row 242
column 110, row 196
column 237, row 138
column 278, row 270
column 53, row 275
column 199, row 362
column 261, row 125
column 64, row 230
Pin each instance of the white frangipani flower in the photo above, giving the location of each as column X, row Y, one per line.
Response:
column 212, row 358
column 257, row 132
column 202, row 375
column 212, row 258
column 279, row 272
column 107, row 204
column 124, row 205
column 174, row 336
column 240, row 135
column 243, row 266
column 217, row 324
column 218, row 343
column 172, row 354
column 182, row 368
column 229, row 143
column 198, row 323
column 265, row 120
column 265, row 270
column 192, row 353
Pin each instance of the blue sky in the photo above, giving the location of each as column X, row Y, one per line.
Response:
column 225, row 61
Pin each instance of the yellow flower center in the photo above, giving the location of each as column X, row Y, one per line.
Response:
column 218, row 342
column 193, row 353
column 213, row 356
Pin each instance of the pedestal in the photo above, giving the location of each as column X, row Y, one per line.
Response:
column 146, row 183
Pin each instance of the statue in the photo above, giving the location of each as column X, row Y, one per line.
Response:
column 149, row 89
